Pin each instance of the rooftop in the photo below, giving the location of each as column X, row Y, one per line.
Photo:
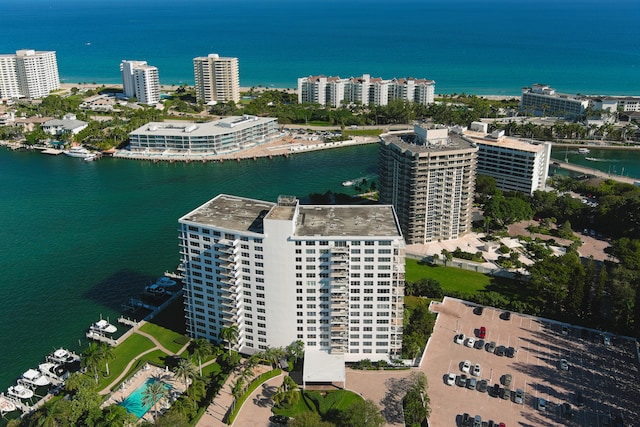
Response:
column 409, row 142
column 231, row 213
column 217, row 127
column 370, row 220
column 506, row 142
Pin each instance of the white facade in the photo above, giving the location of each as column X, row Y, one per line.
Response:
column 141, row 81
column 516, row 165
column 68, row 124
column 543, row 100
column 364, row 90
column 28, row 74
column 331, row 276
column 217, row 79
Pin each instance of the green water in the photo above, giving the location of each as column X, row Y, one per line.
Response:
column 80, row 238
column 616, row 162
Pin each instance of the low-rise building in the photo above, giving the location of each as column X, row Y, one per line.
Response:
column 68, row 124
column 223, row 136
column 543, row 100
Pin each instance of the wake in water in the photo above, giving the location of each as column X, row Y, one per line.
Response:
column 593, row 159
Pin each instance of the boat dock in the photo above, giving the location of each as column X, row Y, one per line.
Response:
column 590, row 171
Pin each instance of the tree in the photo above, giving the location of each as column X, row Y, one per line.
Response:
column 507, row 210
column 363, row 413
column 202, row 348
column 446, row 256
column 416, row 401
column 309, row 419
column 153, row 394
column 230, row 335
column 91, row 359
column 185, row 371
column 295, row 350
column 115, row 416
column 106, row 353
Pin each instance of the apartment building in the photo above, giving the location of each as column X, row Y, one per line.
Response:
column 543, row 100
column 516, row 165
column 28, row 74
column 217, row 79
column 222, row 136
column 364, row 90
column 141, row 81
column 331, row 276
column 428, row 175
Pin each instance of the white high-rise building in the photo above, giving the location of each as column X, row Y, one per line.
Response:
column 28, row 74
column 141, row 81
column 217, row 79
column 330, row 276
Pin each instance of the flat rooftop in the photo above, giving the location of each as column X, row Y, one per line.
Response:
column 231, row 213
column 373, row 220
column 504, row 142
column 191, row 129
column 408, row 142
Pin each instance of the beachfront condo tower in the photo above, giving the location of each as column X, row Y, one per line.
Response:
column 329, row 276
column 217, row 79
column 141, row 81
column 428, row 175
column 28, row 74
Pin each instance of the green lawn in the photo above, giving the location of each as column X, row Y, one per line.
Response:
column 123, row 354
column 167, row 337
column 451, row 279
column 320, row 402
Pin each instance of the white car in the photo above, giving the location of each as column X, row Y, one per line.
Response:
column 564, row 365
column 470, row 342
column 459, row 338
column 466, row 366
column 451, row 378
column 476, row 370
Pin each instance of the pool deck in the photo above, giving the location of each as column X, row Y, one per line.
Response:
column 139, row 378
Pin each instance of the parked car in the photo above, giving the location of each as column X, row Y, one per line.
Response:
column 500, row 350
column 519, row 396
column 459, row 339
column 482, row 386
column 462, row 380
column 451, row 378
column 466, row 366
column 465, row 419
column 566, row 410
column 506, row 315
column 279, row 419
column 482, row 333
column 477, row 421
column 542, row 404
column 479, row 344
column 491, row 347
column 471, row 383
column 579, row 399
column 506, row 380
column 470, row 342
column 476, row 370
column 505, row 393
column 511, row 352
column 478, row 311
column 564, row 365
column 495, row 390
column 565, row 330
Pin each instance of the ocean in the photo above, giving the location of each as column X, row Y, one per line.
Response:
column 466, row 46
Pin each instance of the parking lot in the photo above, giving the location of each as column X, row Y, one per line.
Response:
column 599, row 385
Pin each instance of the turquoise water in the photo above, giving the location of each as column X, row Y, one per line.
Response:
column 80, row 238
column 615, row 162
column 480, row 47
column 133, row 402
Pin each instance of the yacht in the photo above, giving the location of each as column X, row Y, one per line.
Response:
column 77, row 151
column 55, row 373
column 155, row 290
column 34, row 378
column 6, row 405
column 583, row 150
column 103, row 326
column 347, row 183
column 20, row 391
column 62, row 356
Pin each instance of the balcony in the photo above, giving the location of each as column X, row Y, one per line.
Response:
column 339, row 274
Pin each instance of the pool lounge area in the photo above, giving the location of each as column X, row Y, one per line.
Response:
column 130, row 393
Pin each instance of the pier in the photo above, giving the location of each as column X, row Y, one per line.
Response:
column 590, row 171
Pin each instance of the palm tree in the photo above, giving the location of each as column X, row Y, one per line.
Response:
column 154, row 393
column 296, row 350
column 91, row 358
column 106, row 354
column 230, row 335
column 184, row 371
column 202, row 348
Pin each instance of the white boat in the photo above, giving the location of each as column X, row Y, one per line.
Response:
column 91, row 158
column 347, row 183
column 62, row 356
column 20, row 391
column 34, row 378
column 55, row 373
column 583, row 150
column 155, row 290
column 103, row 326
column 6, row 405
column 77, row 151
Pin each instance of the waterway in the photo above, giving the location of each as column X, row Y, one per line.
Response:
column 80, row 238
column 615, row 162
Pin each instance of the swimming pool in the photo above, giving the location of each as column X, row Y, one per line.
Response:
column 133, row 402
